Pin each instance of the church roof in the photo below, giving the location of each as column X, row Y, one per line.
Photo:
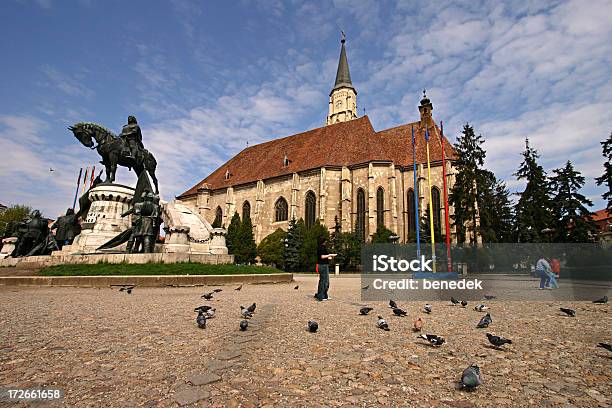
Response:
column 343, row 75
column 342, row 144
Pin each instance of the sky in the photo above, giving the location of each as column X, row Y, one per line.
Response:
column 204, row 78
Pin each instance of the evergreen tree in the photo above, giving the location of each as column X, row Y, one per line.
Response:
column 232, row 239
column 533, row 209
column 271, row 249
column 336, row 243
column 425, row 229
column 316, row 231
column 495, row 210
column 246, row 244
column 468, row 182
column 573, row 222
column 293, row 245
column 382, row 235
column 606, row 177
column 348, row 247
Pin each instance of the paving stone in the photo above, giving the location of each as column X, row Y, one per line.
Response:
column 203, row 378
column 191, row 395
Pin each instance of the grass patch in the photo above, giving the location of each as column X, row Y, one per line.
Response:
column 155, row 269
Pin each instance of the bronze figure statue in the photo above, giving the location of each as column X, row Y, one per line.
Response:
column 67, row 228
column 34, row 237
column 125, row 150
column 145, row 224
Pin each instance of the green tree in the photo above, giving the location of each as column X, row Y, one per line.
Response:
column 309, row 249
column 606, row 177
column 247, row 247
column 495, row 210
column 11, row 217
column 573, row 222
column 348, row 247
column 271, row 249
column 293, row 245
column 382, row 235
column 533, row 210
column 469, row 181
column 232, row 239
column 425, row 232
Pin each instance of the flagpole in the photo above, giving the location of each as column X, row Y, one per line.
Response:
column 91, row 178
column 431, row 216
column 76, row 193
column 449, row 262
column 416, row 196
column 85, row 180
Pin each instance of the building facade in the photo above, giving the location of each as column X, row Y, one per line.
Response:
column 344, row 170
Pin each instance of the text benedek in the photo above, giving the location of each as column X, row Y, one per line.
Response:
column 426, row 284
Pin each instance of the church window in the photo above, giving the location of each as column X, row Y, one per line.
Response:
column 380, row 206
column 411, row 215
column 281, row 210
column 246, row 210
column 310, row 209
column 435, row 203
column 218, row 217
column 361, row 213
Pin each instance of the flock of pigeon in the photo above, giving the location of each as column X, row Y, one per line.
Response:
column 471, row 376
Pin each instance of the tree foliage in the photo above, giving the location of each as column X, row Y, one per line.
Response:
column 348, row 247
column 309, row 249
column 11, row 217
column 233, row 234
column 495, row 208
column 271, row 249
column 240, row 240
column 293, row 245
column 382, row 235
column 606, row 178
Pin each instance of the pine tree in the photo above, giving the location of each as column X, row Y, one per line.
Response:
column 336, row 243
column 468, row 181
column 495, row 210
column 232, row 239
column 606, row 177
column 313, row 234
column 425, row 229
column 533, row 209
column 271, row 249
column 248, row 248
column 293, row 245
column 573, row 222
column 382, row 235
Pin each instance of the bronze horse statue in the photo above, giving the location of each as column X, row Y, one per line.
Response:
column 114, row 151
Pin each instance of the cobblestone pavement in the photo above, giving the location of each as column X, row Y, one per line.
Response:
column 110, row 348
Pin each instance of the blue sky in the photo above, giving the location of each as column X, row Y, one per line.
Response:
column 205, row 78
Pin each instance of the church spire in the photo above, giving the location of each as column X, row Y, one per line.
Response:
column 343, row 96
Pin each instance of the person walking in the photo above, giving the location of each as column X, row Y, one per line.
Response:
column 543, row 270
column 323, row 257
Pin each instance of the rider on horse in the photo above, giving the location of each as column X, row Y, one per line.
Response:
column 132, row 137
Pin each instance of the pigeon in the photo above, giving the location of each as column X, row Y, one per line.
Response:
column 203, row 308
column 464, row 303
column 485, row 321
column 427, row 308
column 432, row 339
column 217, row 290
column 252, row 308
column 243, row 325
column 201, row 320
column 603, row 300
column 418, row 325
column 365, row 310
column 606, row 346
column 489, row 297
column 498, row 341
column 569, row 312
column 392, row 304
column 210, row 313
column 481, row 308
column 399, row 312
column 471, row 378
column 366, row 287
column 296, row 287
column 382, row 324
column 454, row 301
column 239, row 287
column 313, row 326
column 207, row 296
column 128, row 289
column 245, row 312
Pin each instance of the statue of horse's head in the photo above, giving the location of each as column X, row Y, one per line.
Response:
column 83, row 133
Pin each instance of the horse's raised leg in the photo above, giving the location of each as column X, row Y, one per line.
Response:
column 108, row 173
column 152, row 174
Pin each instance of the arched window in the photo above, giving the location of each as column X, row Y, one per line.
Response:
column 218, row 217
column 361, row 213
column 310, row 211
column 281, row 210
column 246, row 210
column 435, row 203
column 380, row 206
column 410, row 216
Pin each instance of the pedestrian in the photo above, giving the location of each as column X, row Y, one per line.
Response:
column 323, row 257
column 543, row 270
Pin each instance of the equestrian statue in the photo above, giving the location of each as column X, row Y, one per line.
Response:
column 124, row 150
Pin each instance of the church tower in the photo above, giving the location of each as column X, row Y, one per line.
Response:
column 343, row 97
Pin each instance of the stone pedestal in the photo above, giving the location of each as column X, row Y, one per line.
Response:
column 8, row 246
column 177, row 240
column 217, row 244
column 104, row 219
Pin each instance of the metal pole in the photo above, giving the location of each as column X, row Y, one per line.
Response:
column 431, row 216
column 416, row 196
column 76, row 193
column 449, row 262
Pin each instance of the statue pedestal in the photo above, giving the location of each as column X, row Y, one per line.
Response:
column 104, row 219
column 177, row 240
column 8, row 246
column 217, row 244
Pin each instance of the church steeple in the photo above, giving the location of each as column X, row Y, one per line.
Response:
column 343, row 96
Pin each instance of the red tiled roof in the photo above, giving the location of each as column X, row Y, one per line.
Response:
column 341, row 144
column 600, row 215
